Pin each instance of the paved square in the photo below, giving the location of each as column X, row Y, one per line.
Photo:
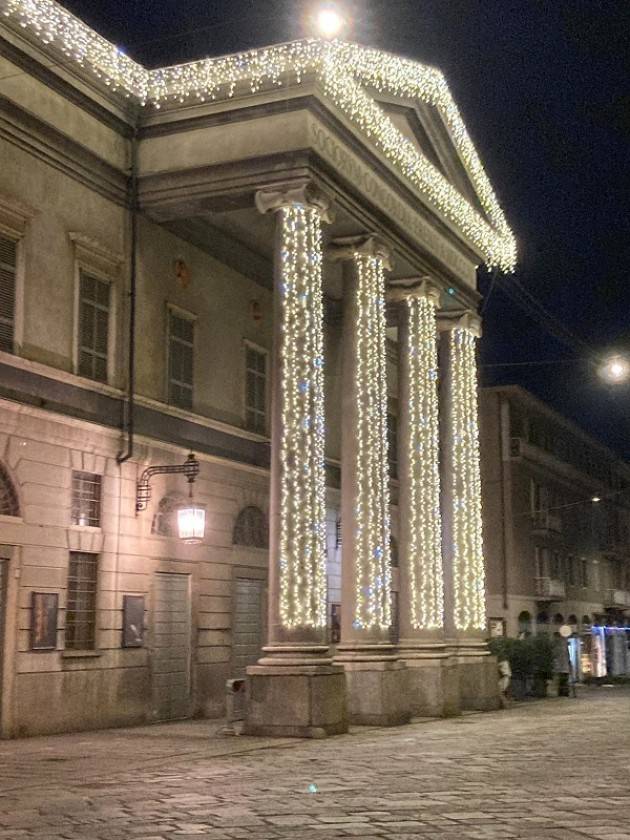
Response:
column 556, row 770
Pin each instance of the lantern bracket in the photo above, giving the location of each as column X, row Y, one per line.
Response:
column 190, row 468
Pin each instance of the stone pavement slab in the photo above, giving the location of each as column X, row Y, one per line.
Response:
column 521, row 774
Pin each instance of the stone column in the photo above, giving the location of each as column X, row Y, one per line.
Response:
column 376, row 680
column 295, row 690
column 464, row 568
column 422, row 646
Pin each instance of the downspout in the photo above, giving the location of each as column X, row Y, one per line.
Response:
column 503, row 455
column 128, row 410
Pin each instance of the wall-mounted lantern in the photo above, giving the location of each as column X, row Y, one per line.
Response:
column 191, row 517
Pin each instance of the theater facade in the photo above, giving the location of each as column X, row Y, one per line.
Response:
column 267, row 260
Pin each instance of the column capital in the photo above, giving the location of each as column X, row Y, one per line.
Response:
column 368, row 244
column 463, row 319
column 272, row 199
column 413, row 287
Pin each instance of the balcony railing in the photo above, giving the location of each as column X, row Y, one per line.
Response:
column 616, row 598
column 550, row 588
column 546, row 522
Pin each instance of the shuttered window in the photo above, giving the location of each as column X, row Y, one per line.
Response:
column 94, row 305
column 180, row 360
column 392, row 444
column 81, row 604
column 256, row 390
column 8, row 261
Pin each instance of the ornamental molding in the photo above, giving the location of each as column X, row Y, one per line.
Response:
column 413, row 287
column 349, row 75
column 367, row 245
column 94, row 254
column 460, row 319
column 307, row 195
column 14, row 216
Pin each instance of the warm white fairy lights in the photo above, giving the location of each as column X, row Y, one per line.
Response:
column 302, row 550
column 468, row 563
column 347, row 73
column 423, row 520
column 372, row 518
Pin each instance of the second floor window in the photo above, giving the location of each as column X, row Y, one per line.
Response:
column 81, row 602
column 256, row 389
column 86, row 499
column 8, row 262
column 180, row 359
column 94, row 305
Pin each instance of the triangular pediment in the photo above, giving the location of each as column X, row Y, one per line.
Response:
column 422, row 126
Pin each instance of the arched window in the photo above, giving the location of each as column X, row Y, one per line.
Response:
column 9, row 505
column 525, row 622
column 558, row 618
column 572, row 620
column 542, row 618
column 251, row 528
column 586, row 620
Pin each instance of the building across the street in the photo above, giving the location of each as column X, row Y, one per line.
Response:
column 224, row 287
column 556, row 530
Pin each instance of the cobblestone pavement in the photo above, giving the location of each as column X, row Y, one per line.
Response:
column 557, row 769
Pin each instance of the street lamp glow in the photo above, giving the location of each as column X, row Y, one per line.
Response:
column 615, row 369
column 596, row 499
column 329, row 22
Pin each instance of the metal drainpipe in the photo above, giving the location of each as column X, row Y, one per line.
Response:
column 124, row 455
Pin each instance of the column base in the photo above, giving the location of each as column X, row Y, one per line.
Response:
column 478, row 677
column 296, row 701
column 377, row 687
column 433, row 681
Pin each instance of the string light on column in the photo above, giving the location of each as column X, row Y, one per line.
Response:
column 348, row 73
column 302, row 559
column 372, row 550
column 468, row 563
column 423, row 514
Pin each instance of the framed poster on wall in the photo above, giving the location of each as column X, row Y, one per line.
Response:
column 133, row 621
column 44, row 609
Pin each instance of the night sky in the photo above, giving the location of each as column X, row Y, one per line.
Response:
column 544, row 89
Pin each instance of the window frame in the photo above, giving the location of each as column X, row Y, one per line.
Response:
column 100, row 500
column 94, row 646
column 97, row 261
column 14, row 221
column 172, row 308
column 250, row 345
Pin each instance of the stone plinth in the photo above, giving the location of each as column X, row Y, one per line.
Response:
column 433, row 683
column 296, row 701
column 478, row 679
column 377, row 689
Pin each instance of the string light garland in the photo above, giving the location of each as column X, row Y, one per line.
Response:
column 468, row 563
column 303, row 585
column 345, row 70
column 426, row 586
column 372, row 517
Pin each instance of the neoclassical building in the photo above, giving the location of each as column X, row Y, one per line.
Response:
column 268, row 260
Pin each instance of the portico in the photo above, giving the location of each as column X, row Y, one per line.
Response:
column 342, row 182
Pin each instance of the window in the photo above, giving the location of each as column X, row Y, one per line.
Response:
column 81, row 603
column 9, row 505
column 583, row 572
column 571, row 570
column 255, row 389
column 86, row 499
column 94, row 305
column 392, row 444
column 8, row 263
column 180, row 359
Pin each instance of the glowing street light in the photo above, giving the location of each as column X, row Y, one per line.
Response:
column 328, row 22
column 615, row 369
